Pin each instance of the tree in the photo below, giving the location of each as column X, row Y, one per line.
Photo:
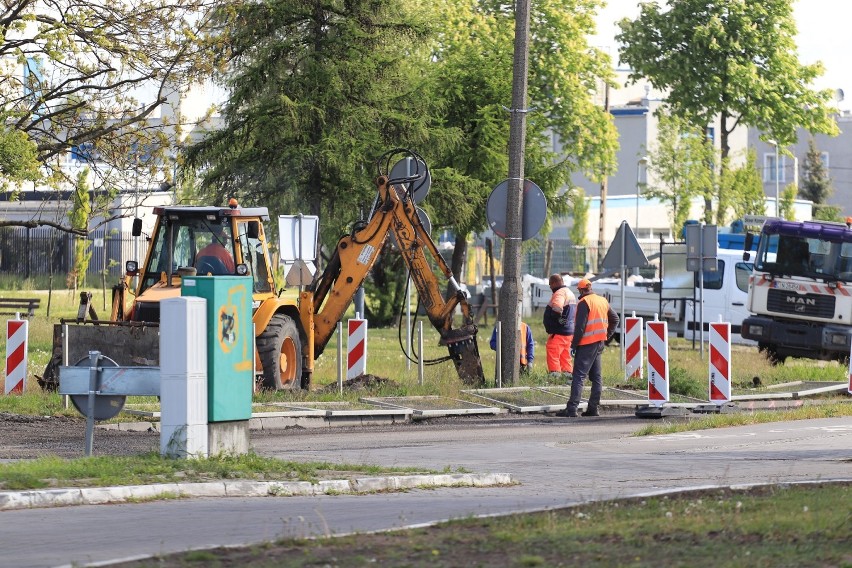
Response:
column 731, row 59
column 785, row 205
column 681, row 163
column 318, row 89
column 78, row 217
column 817, row 185
column 87, row 78
column 744, row 189
column 474, row 53
column 580, row 214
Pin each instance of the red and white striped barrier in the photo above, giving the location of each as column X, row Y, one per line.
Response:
column 720, row 363
column 16, row 355
column 356, row 348
column 850, row 372
column 658, row 362
column 633, row 347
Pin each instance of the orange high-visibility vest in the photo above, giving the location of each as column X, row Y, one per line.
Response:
column 597, row 321
column 524, row 343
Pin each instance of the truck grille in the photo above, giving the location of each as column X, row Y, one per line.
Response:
column 805, row 305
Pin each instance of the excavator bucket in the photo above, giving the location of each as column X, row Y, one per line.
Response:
column 464, row 352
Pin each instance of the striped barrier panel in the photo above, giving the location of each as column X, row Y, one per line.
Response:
column 16, row 355
column 356, row 348
column 720, row 363
column 633, row 348
column 658, row 362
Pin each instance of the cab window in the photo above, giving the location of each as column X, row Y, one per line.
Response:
column 251, row 244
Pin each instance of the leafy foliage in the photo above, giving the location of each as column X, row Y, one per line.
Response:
column 680, row 162
column 78, row 217
column 742, row 190
column 785, row 203
column 88, row 77
column 817, row 185
column 734, row 60
column 317, row 89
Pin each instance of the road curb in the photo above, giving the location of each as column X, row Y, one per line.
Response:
column 42, row 498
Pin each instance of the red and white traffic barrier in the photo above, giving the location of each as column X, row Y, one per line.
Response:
column 356, row 348
column 720, row 363
column 633, row 347
column 850, row 372
column 17, row 331
column 658, row 362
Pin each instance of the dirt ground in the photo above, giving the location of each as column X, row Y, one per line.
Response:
column 27, row 437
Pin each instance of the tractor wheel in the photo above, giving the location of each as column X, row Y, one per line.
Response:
column 280, row 351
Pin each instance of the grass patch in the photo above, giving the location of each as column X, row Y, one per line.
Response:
column 101, row 471
column 387, row 360
column 829, row 410
column 772, row 526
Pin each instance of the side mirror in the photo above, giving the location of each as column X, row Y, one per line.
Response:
column 137, row 227
column 748, row 241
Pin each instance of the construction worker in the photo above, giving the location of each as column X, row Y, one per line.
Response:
column 216, row 256
column 527, row 346
column 559, row 325
column 595, row 324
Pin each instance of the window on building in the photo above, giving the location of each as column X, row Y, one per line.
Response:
column 770, row 169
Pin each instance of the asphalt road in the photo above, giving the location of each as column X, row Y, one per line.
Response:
column 557, row 461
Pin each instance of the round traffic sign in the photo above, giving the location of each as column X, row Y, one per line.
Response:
column 410, row 174
column 534, row 209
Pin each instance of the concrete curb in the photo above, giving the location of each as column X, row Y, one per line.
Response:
column 41, row 498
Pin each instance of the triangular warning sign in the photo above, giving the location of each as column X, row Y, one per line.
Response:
column 634, row 257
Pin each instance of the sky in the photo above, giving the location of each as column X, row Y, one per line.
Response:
column 824, row 35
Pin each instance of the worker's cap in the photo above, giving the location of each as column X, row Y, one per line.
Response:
column 584, row 284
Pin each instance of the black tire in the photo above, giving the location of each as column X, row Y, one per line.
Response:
column 280, row 351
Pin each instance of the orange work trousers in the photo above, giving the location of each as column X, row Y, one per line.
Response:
column 558, row 349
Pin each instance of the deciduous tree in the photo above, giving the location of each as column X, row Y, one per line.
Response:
column 731, row 59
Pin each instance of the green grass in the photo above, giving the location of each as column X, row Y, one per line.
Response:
column 761, row 527
column 386, row 359
column 829, row 409
column 101, row 471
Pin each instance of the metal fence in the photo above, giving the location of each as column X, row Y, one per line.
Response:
column 44, row 251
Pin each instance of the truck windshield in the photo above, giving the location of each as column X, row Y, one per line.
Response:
column 788, row 255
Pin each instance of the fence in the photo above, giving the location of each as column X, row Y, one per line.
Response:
column 566, row 258
column 43, row 251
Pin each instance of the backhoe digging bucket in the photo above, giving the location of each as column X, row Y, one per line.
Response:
column 464, row 352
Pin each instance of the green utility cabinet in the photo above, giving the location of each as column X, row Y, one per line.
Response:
column 230, row 346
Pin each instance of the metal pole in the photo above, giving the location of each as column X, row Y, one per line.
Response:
column 498, row 369
column 340, row 357
column 623, row 283
column 94, row 369
column 408, row 323
column 420, row 351
column 777, row 183
column 701, row 292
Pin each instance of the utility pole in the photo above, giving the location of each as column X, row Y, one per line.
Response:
column 510, row 292
column 602, row 218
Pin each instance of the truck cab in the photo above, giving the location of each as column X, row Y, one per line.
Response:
column 801, row 291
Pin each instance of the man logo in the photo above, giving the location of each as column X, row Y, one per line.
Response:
column 801, row 302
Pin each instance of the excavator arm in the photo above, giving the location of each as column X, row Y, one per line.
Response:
column 355, row 256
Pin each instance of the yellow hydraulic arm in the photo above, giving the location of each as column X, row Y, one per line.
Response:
column 356, row 254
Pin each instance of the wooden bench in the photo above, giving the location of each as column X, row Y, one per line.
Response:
column 24, row 306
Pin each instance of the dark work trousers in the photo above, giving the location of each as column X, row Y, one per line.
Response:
column 587, row 362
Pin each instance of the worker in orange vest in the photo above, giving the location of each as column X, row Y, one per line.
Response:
column 595, row 324
column 527, row 346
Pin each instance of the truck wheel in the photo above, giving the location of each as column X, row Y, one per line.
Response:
column 280, row 351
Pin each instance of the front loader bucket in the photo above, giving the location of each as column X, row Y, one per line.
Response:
column 125, row 343
column 464, row 352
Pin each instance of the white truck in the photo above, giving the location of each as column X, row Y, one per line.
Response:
column 675, row 297
column 801, row 291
